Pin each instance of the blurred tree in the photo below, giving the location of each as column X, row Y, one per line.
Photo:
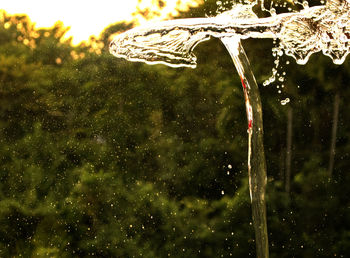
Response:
column 102, row 157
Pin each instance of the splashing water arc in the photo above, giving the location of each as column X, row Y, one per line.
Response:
column 323, row 28
column 320, row 28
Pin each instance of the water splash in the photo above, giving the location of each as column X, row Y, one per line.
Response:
column 314, row 29
column 172, row 42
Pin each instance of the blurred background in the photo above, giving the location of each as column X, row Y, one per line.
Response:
column 108, row 158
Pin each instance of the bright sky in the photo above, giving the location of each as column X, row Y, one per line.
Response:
column 85, row 17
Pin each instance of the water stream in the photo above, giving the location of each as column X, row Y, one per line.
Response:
column 256, row 154
column 323, row 28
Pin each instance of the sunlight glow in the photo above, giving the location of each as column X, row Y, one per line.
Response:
column 88, row 18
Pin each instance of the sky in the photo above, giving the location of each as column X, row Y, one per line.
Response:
column 84, row 17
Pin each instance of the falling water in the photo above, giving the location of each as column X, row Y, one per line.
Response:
column 256, row 155
column 301, row 34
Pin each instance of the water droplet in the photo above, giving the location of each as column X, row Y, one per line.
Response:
column 273, row 12
column 305, row 4
column 285, row 101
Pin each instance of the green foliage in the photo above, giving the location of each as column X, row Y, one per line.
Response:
column 102, row 157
